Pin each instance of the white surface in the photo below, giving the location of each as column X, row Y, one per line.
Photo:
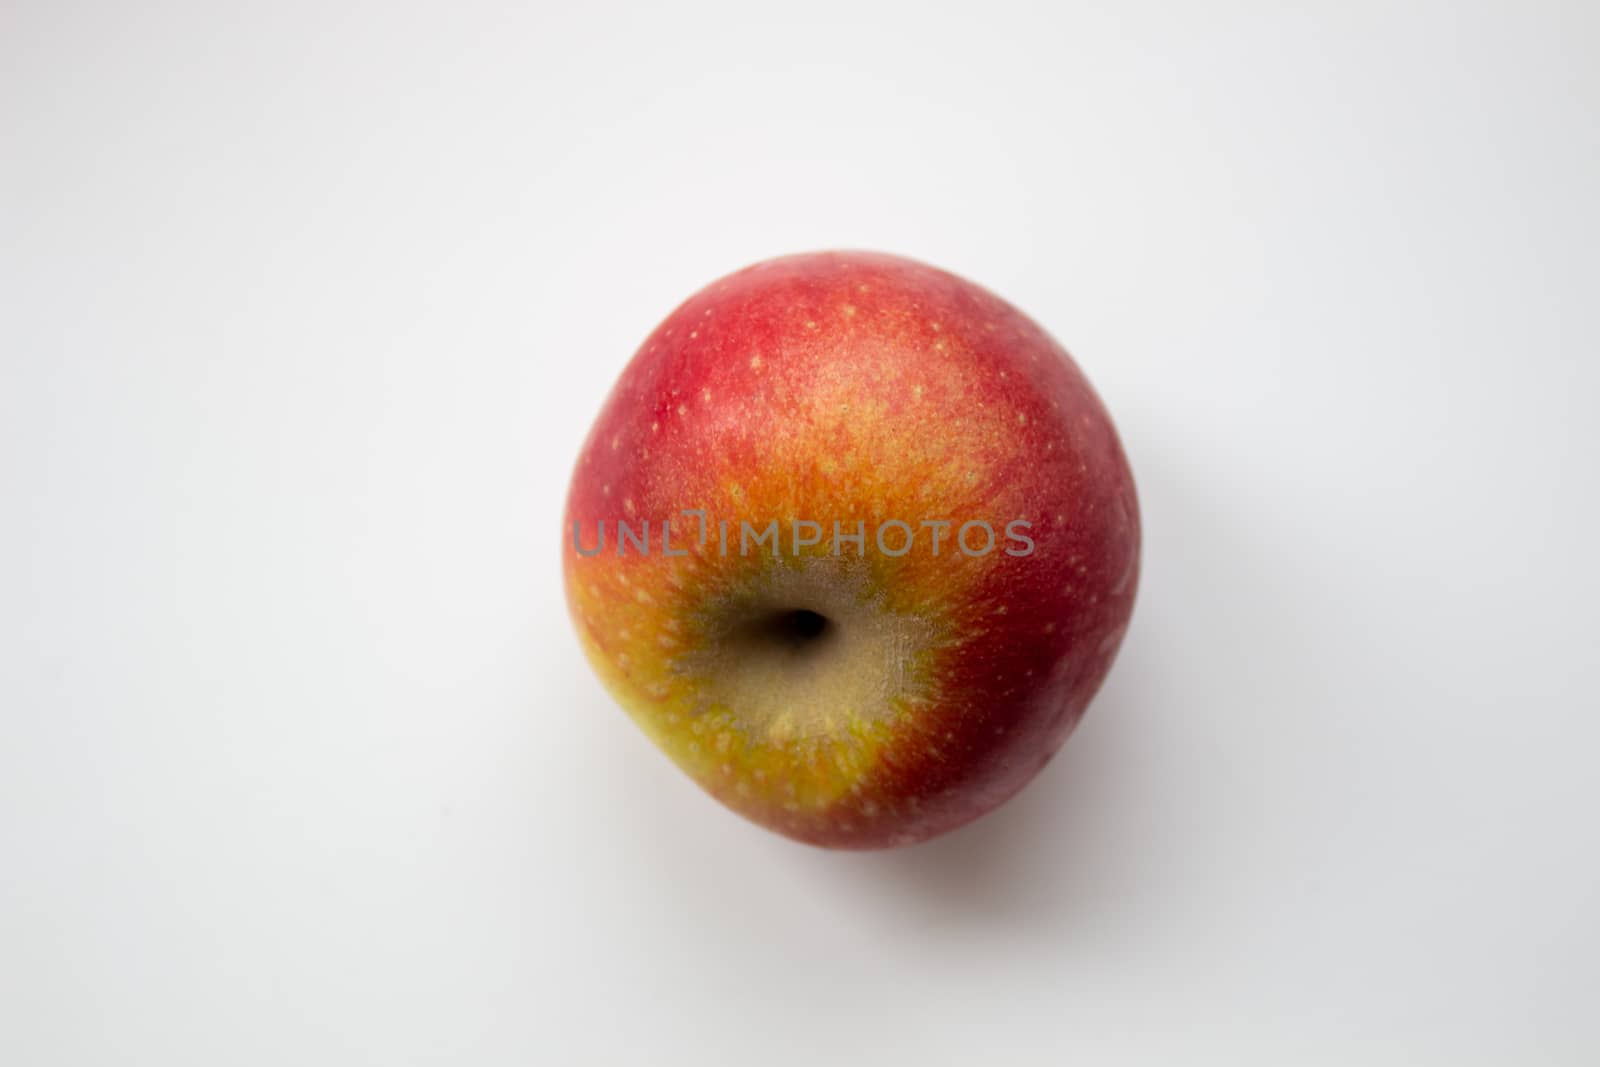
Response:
column 307, row 308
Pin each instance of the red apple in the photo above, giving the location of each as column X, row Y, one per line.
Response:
column 854, row 542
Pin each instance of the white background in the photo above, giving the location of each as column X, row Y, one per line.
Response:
column 307, row 307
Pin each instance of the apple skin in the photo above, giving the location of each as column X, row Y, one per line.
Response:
column 854, row 386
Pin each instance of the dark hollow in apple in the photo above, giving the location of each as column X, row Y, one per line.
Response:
column 796, row 637
column 797, row 630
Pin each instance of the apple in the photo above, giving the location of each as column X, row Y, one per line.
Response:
column 855, row 542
